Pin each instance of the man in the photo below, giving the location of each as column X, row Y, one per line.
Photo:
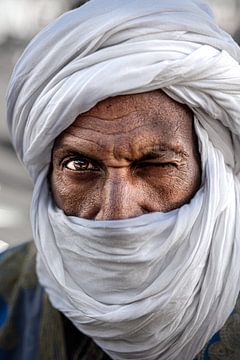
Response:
column 126, row 115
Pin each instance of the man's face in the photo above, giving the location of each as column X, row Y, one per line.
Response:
column 127, row 156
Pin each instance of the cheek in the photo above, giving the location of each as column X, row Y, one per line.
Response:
column 73, row 196
column 171, row 188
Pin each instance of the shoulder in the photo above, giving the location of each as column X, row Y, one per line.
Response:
column 226, row 343
column 20, row 302
column 15, row 264
column 17, row 252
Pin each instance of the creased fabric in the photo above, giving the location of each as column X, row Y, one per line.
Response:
column 160, row 285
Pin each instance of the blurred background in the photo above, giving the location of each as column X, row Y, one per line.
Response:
column 20, row 20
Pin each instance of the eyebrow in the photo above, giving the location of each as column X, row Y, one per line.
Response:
column 145, row 153
column 64, row 149
column 154, row 152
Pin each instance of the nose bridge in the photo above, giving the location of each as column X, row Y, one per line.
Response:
column 118, row 198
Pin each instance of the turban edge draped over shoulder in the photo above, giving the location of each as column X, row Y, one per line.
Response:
column 188, row 284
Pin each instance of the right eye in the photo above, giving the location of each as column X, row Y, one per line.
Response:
column 77, row 164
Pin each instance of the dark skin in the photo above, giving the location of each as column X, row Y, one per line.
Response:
column 127, row 156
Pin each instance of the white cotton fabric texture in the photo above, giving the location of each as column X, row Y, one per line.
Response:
column 158, row 286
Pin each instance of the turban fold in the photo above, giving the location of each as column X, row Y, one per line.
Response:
column 107, row 48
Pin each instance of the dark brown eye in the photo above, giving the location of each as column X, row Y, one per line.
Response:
column 79, row 165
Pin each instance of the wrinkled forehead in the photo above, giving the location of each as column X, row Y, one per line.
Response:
column 133, row 121
column 144, row 109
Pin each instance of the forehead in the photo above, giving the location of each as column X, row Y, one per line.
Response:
column 141, row 119
column 150, row 103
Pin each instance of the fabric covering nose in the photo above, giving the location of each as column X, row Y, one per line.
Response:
column 185, row 263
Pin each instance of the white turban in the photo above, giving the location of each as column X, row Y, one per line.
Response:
column 160, row 285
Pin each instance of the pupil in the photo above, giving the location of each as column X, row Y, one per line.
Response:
column 81, row 164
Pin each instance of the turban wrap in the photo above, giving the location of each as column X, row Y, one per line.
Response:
column 160, row 285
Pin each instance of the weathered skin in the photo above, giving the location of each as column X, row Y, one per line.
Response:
column 129, row 155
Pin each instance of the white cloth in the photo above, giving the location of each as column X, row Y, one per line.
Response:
column 160, row 285
column 3, row 246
